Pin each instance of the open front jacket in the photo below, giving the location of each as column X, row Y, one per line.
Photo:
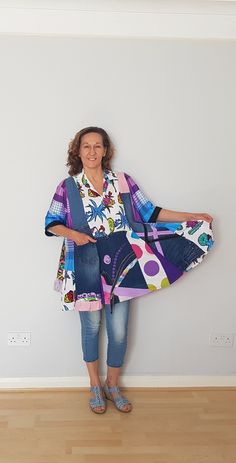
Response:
column 152, row 259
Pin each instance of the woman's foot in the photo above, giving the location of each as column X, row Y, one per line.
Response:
column 98, row 402
column 112, row 392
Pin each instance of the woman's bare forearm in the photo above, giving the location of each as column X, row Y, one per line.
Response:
column 166, row 215
column 61, row 230
column 78, row 237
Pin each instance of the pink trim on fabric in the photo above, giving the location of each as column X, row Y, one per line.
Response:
column 132, row 292
column 106, row 290
column 88, row 306
column 129, row 292
column 123, row 185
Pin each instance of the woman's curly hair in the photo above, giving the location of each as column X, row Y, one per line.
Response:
column 74, row 161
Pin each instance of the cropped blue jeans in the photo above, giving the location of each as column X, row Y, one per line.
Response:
column 116, row 328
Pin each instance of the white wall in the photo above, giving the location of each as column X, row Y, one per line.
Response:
column 169, row 106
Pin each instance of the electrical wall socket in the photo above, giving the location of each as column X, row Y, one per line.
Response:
column 18, row 338
column 221, row 340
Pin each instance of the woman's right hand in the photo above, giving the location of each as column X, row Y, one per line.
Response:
column 81, row 238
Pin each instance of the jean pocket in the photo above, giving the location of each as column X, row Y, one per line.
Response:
column 87, row 254
column 191, row 253
column 178, row 251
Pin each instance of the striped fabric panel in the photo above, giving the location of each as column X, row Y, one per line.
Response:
column 59, row 210
column 59, row 213
column 69, row 260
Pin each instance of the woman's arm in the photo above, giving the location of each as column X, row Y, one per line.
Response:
column 151, row 213
column 166, row 215
column 61, row 230
column 78, row 237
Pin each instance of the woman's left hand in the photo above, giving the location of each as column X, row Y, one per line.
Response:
column 202, row 216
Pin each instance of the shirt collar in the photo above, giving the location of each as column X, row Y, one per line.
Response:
column 108, row 174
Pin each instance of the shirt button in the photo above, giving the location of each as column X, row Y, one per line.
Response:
column 107, row 259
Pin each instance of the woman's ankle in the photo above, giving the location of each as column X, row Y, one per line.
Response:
column 111, row 383
column 95, row 383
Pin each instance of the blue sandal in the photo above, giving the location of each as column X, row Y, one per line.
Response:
column 119, row 401
column 98, row 400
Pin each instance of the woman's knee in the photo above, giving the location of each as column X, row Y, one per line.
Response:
column 119, row 334
column 90, row 321
column 117, row 322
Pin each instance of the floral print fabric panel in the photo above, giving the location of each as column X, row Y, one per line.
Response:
column 105, row 213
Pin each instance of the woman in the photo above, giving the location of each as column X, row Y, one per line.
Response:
column 92, row 211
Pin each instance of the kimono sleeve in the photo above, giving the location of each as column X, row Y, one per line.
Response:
column 56, row 214
column 147, row 210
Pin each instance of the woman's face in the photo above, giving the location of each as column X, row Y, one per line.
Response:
column 91, row 150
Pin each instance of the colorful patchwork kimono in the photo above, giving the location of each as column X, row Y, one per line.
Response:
column 133, row 254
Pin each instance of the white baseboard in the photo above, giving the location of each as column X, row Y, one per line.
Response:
column 125, row 381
